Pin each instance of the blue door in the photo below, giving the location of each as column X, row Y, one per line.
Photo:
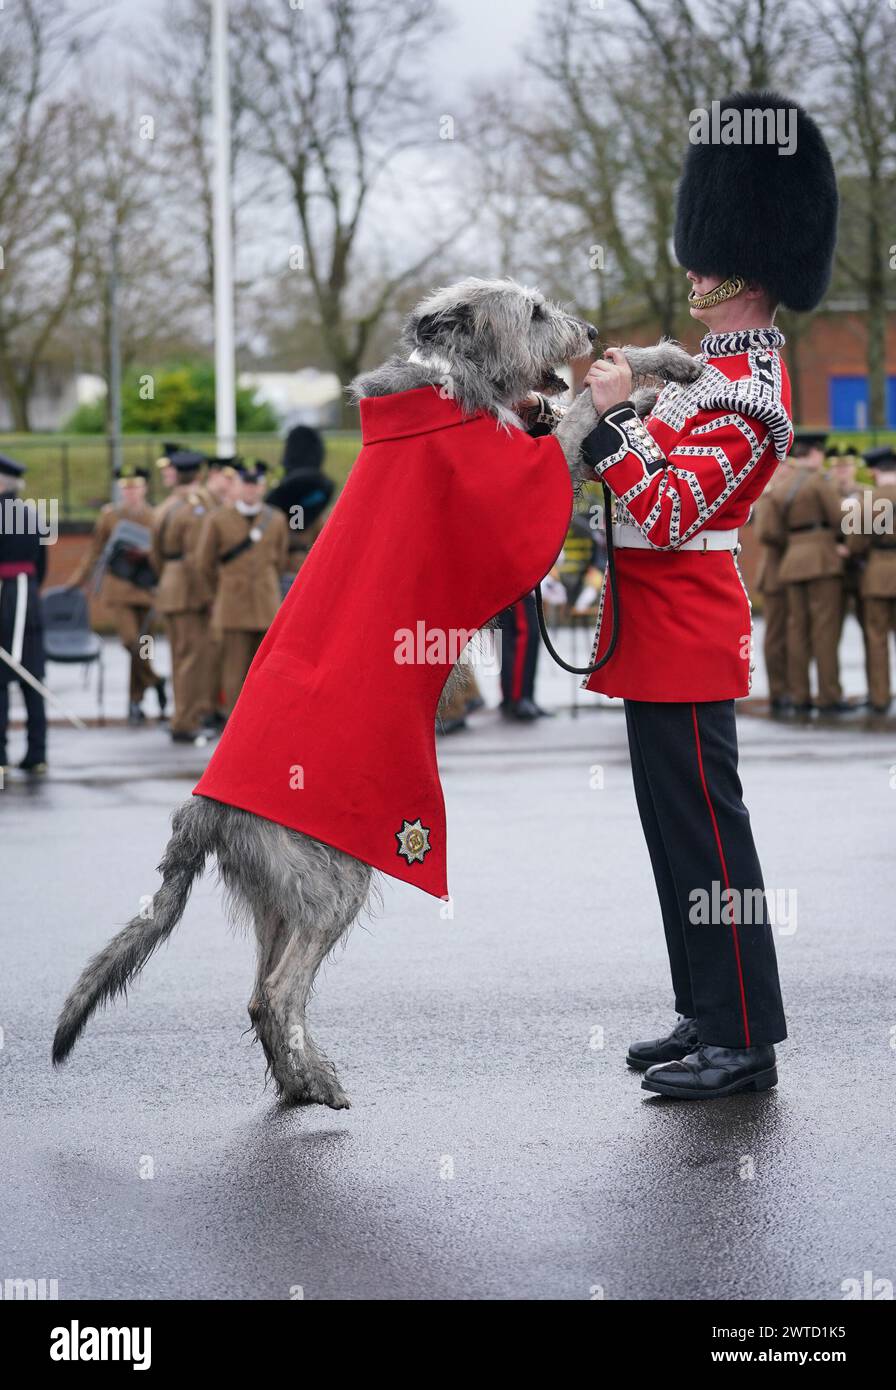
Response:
column 849, row 402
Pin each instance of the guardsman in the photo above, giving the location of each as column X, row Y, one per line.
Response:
column 520, row 641
column 807, row 513
column 871, row 537
column 118, row 562
column 182, row 595
column 755, row 231
column 303, row 495
column 774, row 594
column 220, row 490
column 242, row 553
column 520, row 645
column 23, row 565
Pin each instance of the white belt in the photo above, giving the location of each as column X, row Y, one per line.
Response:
column 630, row 538
column 17, row 645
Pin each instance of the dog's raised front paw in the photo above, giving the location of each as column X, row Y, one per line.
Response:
column 667, row 360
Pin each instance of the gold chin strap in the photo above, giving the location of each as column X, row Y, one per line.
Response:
column 727, row 290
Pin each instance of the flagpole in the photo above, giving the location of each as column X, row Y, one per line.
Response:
column 225, row 380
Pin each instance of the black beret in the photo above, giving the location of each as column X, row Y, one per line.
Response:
column 253, row 470
column 882, row 456
column 186, row 460
column 810, row 439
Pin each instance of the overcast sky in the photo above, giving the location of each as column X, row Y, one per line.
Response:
column 485, row 28
column 472, row 50
column 480, row 47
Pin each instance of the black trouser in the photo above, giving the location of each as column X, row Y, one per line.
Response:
column 519, row 650
column 37, row 722
column 721, row 949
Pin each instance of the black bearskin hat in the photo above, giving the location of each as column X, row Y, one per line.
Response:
column 745, row 209
column 304, row 448
column 305, row 488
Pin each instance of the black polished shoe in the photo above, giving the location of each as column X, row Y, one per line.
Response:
column 677, row 1044
column 523, row 710
column 34, row 766
column 450, row 726
column 838, row 708
column 135, row 713
column 781, row 709
column 711, row 1072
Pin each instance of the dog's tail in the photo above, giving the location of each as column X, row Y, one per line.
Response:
column 110, row 972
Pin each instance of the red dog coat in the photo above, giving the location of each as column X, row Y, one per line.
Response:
column 445, row 520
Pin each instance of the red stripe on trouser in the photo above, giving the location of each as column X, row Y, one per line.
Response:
column 519, row 656
column 715, row 827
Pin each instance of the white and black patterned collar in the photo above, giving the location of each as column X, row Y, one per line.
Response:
column 741, row 340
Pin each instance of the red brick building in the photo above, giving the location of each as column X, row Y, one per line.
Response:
column 830, row 360
column 827, row 357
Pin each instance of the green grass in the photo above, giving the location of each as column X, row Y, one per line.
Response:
column 75, row 469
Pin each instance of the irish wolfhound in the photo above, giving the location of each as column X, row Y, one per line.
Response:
column 489, row 344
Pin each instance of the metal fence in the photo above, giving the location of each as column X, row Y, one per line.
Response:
column 77, row 470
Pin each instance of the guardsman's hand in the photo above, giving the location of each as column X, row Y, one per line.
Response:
column 610, row 380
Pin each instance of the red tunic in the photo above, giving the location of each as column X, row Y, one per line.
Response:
column 707, row 453
column 444, row 522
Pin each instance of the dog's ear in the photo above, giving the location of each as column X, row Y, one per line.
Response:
column 430, row 328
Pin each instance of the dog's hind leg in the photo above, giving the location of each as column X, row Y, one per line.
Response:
column 272, row 934
column 302, row 896
column 302, row 1073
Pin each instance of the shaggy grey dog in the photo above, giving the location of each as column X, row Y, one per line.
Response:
column 490, row 344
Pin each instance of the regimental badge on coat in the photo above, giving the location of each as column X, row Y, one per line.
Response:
column 413, row 841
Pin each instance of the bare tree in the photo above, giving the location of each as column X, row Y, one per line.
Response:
column 42, row 211
column 124, row 193
column 861, row 92
column 334, row 93
column 179, row 93
column 607, row 140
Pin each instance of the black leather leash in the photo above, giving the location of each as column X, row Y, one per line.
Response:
column 614, row 594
